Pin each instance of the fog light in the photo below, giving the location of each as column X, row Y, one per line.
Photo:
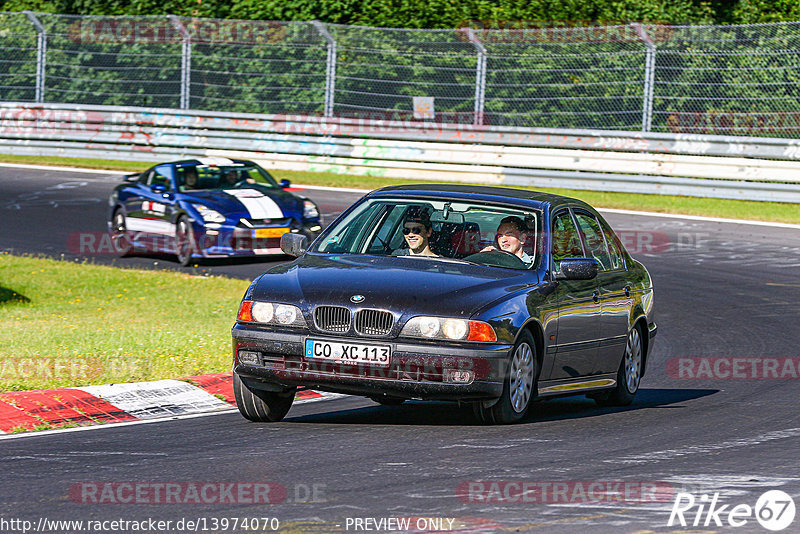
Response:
column 248, row 357
column 456, row 376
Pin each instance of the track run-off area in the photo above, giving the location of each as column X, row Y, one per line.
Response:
column 716, row 413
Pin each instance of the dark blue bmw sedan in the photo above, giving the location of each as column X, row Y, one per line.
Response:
column 206, row 208
column 490, row 296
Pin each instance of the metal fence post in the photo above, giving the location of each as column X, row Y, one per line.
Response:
column 330, row 67
column 186, row 62
column 649, row 76
column 480, row 76
column 41, row 55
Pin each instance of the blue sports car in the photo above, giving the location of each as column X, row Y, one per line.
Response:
column 206, row 208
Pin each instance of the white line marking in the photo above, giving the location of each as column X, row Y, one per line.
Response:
column 352, row 190
column 327, row 396
column 700, row 218
column 669, row 454
column 113, row 425
column 327, row 188
column 60, row 169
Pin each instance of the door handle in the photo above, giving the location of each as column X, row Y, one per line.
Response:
column 595, row 296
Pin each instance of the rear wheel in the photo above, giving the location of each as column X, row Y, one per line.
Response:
column 628, row 375
column 259, row 405
column 184, row 241
column 519, row 387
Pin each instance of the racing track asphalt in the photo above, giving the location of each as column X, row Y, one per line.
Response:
column 722, row 290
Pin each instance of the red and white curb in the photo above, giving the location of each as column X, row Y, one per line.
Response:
column 116, row 403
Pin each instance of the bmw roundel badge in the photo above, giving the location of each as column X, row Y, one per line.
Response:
column 357, row 298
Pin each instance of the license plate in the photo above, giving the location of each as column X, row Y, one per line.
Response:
column 262, row 233
column 348, row 352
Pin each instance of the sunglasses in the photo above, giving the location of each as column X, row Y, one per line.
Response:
column 413, row 230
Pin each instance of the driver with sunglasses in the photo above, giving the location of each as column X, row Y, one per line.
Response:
column 417, row 231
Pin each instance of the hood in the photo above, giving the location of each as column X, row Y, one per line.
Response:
column 404, row 285
column 250, row 202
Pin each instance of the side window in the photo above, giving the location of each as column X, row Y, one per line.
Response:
column 593, row 239
column 614, row 247
column 565, row 240
column 161, row 176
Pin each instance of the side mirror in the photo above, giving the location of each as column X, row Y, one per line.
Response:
column 132, row 177
column 294, row 244
column 284, row 184
column 158, row 188
column 577, row 269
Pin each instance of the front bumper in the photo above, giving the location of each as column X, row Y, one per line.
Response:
column 236, row 241
column 418, row 370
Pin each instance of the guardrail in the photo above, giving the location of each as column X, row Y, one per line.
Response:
column 679, row 164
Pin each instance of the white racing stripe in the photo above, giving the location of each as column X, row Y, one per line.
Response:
column 219, row 162
column 257, row 204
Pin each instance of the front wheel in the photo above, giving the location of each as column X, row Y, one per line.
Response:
column 629, row 373
column 119, row 234
column 184, row 241
column 261, row 406
column 519, row 387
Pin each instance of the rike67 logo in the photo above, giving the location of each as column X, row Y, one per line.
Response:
column 774, row 510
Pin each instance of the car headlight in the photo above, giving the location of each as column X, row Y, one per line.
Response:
column 209, row 215
column 270, row 313
column 310, row 210
column 448, row 328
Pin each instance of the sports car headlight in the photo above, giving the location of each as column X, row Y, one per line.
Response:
column 310, row 210
column 448, row 328
column 209, row 215
column 270, row 313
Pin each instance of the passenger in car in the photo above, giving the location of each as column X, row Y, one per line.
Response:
column 231, row 177
column 511, row 237
column 417, row 231
column 189, row 178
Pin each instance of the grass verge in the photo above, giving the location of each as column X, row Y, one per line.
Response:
column 731, row 209
column 69, row 324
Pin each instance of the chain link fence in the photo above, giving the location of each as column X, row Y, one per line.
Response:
column 734, row 80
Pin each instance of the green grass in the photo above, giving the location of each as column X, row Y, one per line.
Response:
column 69, row 324
column 732, row 209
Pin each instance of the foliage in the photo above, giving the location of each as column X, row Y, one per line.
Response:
column 84, row 324
column 544, row 66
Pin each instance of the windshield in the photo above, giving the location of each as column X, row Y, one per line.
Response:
column 194, row 177
column 487, row 234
